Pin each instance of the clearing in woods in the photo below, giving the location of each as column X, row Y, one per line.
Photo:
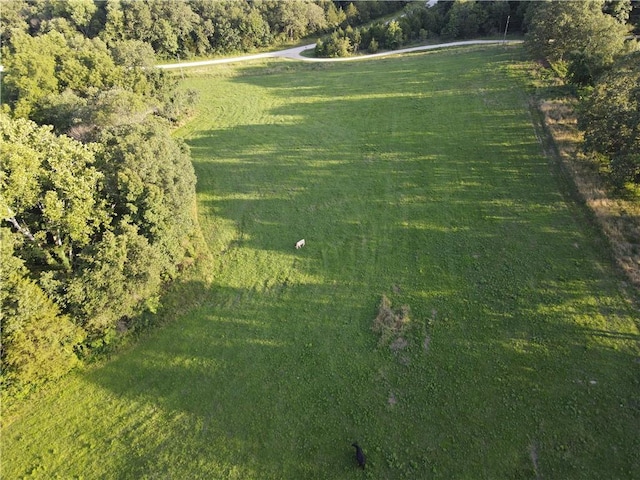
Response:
column 418, row 178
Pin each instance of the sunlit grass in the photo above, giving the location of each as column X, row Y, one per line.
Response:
column 419, row 178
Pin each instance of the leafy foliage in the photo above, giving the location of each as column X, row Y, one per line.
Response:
column 459, row 19
column 49, row 188
column 578, row 33
column 186, row 28
column 97, row 228
column 587, row 41
column 150, row 182
column 610, row 119
column 118, row 277
column 465, row 19
column 37, row 339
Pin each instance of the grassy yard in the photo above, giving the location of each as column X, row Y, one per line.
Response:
column 419, row 178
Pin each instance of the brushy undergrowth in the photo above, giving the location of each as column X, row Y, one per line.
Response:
column 615, row 211
column 390, row 325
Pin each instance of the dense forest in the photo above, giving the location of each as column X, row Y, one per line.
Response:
column 97, row 197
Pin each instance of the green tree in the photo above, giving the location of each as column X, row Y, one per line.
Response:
column 495, row 16
column 150, row 181
column 78, row 12
column 37, row 67
column 297, row 18
column 13, row 16
column 37, row 340
column 432, row 20
column 49, row 191
column 119, row 276
column 465, row 19
column 373, row 46
column 618, row 9
column 335, row 16
column 85, row 66
column 556, row 29
column 30, row 69
column 114, row 29
column 166, row 25
column 393, row 36
column 351, row 13
column 136, row 59
column 337, row 45
column 610, row 119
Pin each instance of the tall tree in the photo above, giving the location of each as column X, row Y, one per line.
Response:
column 464, row 19
column 558, row 28
column 49, row 191
column 78, row 12
column 150, row 181
column 610, row 119
column 118, row 277
column 37, row 67
column 30, row 69
column 37, row 340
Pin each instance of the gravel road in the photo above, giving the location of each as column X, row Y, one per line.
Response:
column 296, row 54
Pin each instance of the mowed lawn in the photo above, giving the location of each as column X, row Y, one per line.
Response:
column 420, row 178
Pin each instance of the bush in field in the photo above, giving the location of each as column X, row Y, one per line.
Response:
column 390, row 324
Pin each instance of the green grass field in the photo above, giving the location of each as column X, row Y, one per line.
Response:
column 419, row 178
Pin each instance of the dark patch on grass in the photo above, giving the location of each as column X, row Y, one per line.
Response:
column 390, row 324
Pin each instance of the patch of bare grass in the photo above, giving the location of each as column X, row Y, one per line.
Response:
column 391, row 324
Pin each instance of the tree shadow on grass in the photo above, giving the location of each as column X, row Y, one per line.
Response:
column 270, row 387
column 279, row 389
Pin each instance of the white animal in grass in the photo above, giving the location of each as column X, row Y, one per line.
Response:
column 300, row 243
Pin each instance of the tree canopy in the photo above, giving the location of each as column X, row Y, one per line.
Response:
column 610, row 119
column 581, row 34
column 421, row 21
column 588, row 40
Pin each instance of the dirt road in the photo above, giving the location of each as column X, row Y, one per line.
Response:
column 296, row 54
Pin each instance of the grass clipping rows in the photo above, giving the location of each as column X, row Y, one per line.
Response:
column 391, row 325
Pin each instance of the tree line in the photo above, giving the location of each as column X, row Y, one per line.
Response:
column 188, row 28
column 590, row 44
column 421, row 21
column 97, row 199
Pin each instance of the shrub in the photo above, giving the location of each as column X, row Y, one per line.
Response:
column 373, row 46
column 390, row 324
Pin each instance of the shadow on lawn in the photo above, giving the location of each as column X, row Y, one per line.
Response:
column 278, row 389
column 268, row 387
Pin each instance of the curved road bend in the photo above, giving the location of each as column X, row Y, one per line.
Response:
column 296, row 54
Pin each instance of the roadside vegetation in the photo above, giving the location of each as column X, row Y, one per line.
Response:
column 422, row 22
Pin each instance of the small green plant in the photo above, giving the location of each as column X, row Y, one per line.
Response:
column 373, row 46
